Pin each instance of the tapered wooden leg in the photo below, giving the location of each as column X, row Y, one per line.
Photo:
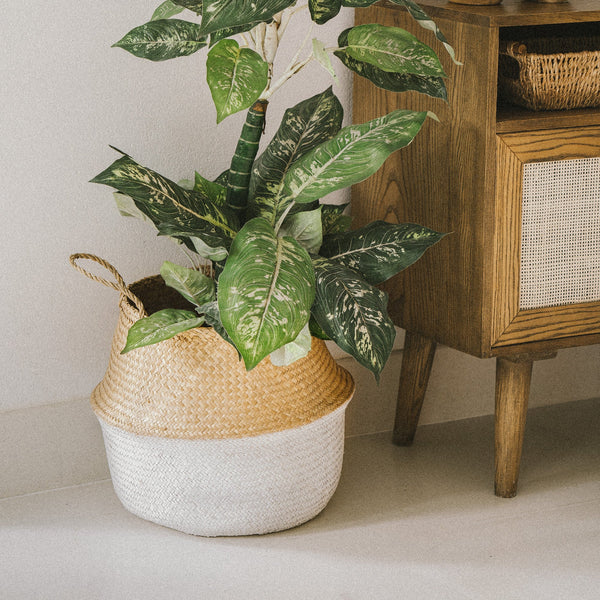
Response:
column 513, row 380
column 417, row 359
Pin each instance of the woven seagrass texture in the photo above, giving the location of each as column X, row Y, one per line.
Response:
column 238, row 486
column 194, row 386
column 560, row 239
column 552, row 73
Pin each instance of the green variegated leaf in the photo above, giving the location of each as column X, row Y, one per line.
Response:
column 265, row 291
column 193, row 5
column 173, row 210
column 316, row 330
column 222, row 14
column 305, row 228
column 160, row 326
column 216, row 253
column 166, row 10
column 353, row 314
column 425, row 21
column 322, row 11
column 210, row 310
column 293, row 351
column 358, row 3
column 395, row 82
column 163, row 39
column 390, row 49
column 333, row 218
column 354, row 154
column 223, row 178
column 127, row 207
column 236, row 77
column 320, row 53
column 194, row 286
column 221, row 34
column 213, row 191
column 380, row 250
column 303, row 127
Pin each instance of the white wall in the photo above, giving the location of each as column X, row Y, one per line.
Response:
column 65, row 96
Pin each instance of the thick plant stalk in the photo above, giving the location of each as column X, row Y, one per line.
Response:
column 245, row 153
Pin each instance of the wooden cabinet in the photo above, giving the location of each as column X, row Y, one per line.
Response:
column 473, row 175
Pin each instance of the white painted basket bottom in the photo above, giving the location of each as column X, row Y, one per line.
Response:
column 245, row 486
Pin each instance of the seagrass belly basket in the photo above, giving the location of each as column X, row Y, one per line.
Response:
column 197, row 443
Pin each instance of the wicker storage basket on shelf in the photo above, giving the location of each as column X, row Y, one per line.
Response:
column 197, row 443
column 553, row 73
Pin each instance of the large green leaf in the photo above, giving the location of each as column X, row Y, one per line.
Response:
column 193, row 5
column 304, row 126
column 160, row 326
column 322, row 11
column 354, row 154
column 236, row 77
column 194, row 286
column 390, row 49
column 353, row 314
column 212, row 316
column 265, row 291
column 166, row 10
column 379, row 250
column 163, row 39
column 425, row 21
column 306, row 228
column 417, row 13
column 212, row 190
column 173, row 210
column 222, row 14
column 395, row 82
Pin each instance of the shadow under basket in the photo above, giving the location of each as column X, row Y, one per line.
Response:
column 196, row 443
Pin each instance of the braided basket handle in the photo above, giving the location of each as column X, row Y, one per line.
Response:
column 120, row 285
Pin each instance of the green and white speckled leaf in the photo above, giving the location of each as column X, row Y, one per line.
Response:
column 166, row 10
column 163, row 39
column 353, row 313
column 214, row 191
column 174, row 211
column 236, row 77
column 390, row 49
column 304, row 126
column 380, row 250
column 194, row 286
column 293, row 351
column 306, row 228
column 222, row 14
column 193, row 5
column 265, row 291
column 425, row 21
column 210, row 310
column 354, row 154
column 395, row 82
column 160, row 326
column 322, row 11
column 333, row 218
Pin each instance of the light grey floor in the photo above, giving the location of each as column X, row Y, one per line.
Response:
column 405, row 523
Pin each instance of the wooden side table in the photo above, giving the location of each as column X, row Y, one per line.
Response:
column 518, row 278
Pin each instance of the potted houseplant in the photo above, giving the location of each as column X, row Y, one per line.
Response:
column 281, row 271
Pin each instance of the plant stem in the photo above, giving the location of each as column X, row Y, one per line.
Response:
column 245, row 153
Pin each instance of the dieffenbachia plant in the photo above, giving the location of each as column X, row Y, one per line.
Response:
column 286, row 263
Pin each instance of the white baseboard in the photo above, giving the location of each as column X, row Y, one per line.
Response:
column 59, row 445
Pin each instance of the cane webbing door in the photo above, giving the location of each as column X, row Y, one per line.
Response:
column 548, row 235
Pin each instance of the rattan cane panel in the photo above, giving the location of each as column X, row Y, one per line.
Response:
column 560, row 241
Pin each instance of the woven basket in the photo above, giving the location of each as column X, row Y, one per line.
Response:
column 553, row 73
column 197, row 443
